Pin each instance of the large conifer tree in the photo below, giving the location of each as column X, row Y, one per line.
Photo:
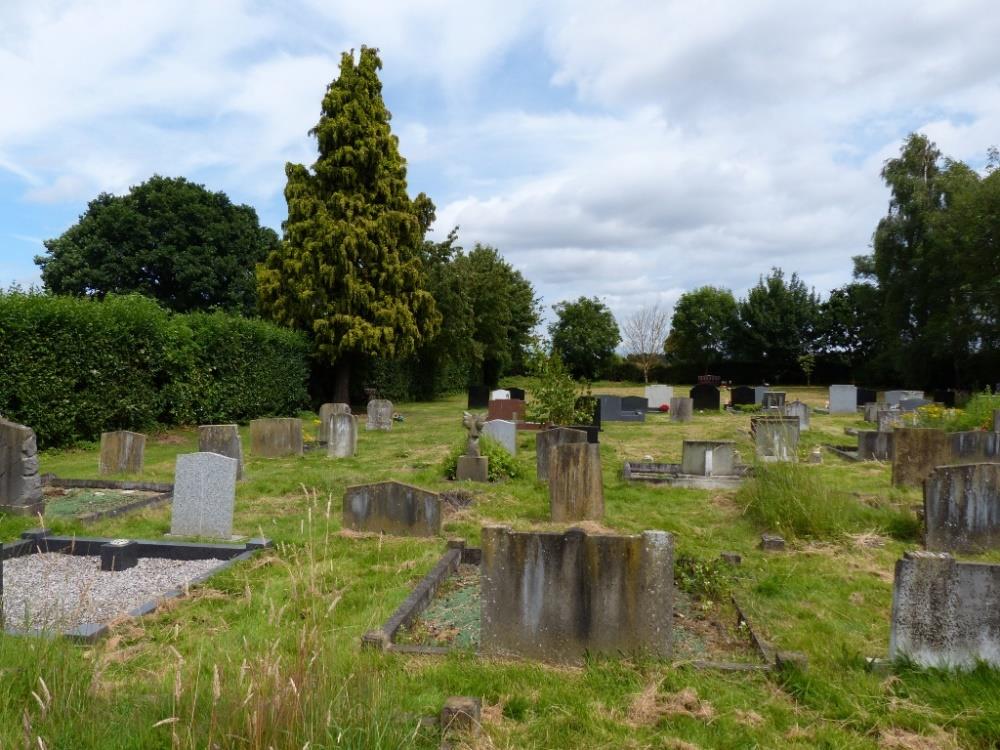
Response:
column 349, row 270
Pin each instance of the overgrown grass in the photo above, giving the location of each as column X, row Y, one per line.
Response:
column 977, row 414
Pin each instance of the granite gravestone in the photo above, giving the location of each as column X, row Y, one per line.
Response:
column 801, row 411
column 20, row 483
column 773, row 400
column 223, row 439
column 546, row 440
column 503, row 432
column 122, row 452
column 875, row 446
column 576, row 487
column 867, row 396
column 392, row 508
column 379, row 415
column 843, row 399
column 758, row 394
column 658, row 395
column 479, row 396
column 635, row 408
column 705, row 397
column 681, row 409
column 276, row 437
column 511, row 409
column 204, row 495
column 742, row 395
column 326, row 411
column 343, row 436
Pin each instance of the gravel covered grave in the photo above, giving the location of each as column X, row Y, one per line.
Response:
column 58, row 591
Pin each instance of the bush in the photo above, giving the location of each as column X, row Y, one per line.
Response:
column 502, row 465
column 554, row 397
column 76, row 367
column 796, row 501
column 977, row 414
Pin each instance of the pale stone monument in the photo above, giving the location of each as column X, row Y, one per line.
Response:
column 471, row 465
column 658, row 395
column 122, row 452
column 503, row 432
column 342, row 436
column 276, row 437
column 681, row 409
column 326, row 411
column 204, row 495
column 379, row 414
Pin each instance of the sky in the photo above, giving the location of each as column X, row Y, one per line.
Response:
column 624, row 150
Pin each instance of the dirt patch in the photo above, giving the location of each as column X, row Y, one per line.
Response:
column 457, row 499
column 901, row 739
column 648, row 707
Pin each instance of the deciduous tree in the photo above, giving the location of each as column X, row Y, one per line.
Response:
column 584, row 335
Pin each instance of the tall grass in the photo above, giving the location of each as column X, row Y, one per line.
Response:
column 977, row 414
column 795, row 501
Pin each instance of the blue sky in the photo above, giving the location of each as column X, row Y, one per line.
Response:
column 629, row 150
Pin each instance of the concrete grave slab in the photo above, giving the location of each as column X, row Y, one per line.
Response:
column 326, row 411
column 392, row 508
column 342, row 436
column 576, row 486
column 379, row 415
column 708, row 457
column 962, row 508
column 681, row 409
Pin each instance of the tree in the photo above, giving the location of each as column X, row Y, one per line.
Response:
column 701, row 328
column 777, row 322
column 849, row 325
column 170, row 239
column 644, row 335
column 349, row 269
column 807, row 363
column 584, row 335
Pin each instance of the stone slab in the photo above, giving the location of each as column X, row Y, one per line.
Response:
column 916, row 452
column 705, row 397
column 379, row 415
column 775, row 438
column 773, row 400
column 799, row 410
column 546, row 440
column 276, row 437
column 473, row 469
column 843, row 399
column 204, row 495
column 708, row 457
column 342, row 436
column 875, row 446
column 742, row 395
column 681, row 409
column 20, row 482
column 510, row 409
column 326, row 411
column 504, row 432
column 962, row 508
column 576, row 486
column 392, row 508
column 122, row 452
column 223, row 439
column 658, row 395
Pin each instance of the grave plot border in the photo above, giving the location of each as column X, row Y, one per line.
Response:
column 846, row 452
column 165, row 490
column 35, row 541
column 671, row 475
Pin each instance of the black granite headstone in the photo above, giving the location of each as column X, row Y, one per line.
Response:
column 705, row 397
column 479, row 396
column 867, row 396
column 517, row 393
column 742, row 395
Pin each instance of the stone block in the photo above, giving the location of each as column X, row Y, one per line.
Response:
column 775, row 438
column 546, row 440
column 503, row 432
column 772, row 543
column 122, row 452
column 223, row 439
column 893, row 398
column 658, row 395
column 773, row 400
column 843, row 399
column 945, row 613
column 342, row 436
column 613, row 409
column 799, row 410
column 962, row 508
column 635, row 408
column 392, row 508
column 326, row 412
column 555, row 597
column 871, row 412
column 479, row 397
column 379, row 415
column 276, row 437
column 473, row 469
column 708, row 458
column 461, row 715
column 889, row 419
column 705, row 397
column 20, row 482
column 916, row 452
column 204, row 495
column 758, row 394
column 742, row 395
column 120, row 554
column 875, row 446
column 681, row 409
column 509, row 409
column 576, row 486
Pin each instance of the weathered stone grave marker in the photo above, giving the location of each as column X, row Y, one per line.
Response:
column 576, row 486
column 223, row 439
column 20, row 483
column 122, row 452
column 392, row 508
column 681, row 409
column 546, row 440
column 916, row 452
column 875, row 446
column 843, row 399
column 962, row 508
column 343, row 436
column 775, row 438
column 326, row 411
column 708, row 458
column 379, row 415
column 504, row 432
column 204, row 495
column 276, row 437
column 799, row 410
column 773, row 400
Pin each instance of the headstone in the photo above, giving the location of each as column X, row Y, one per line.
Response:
column 889, row 419
column 871, row 410
column 510, row 409
column 504, row 432
column 576, row 487
column 658, row 395
column 471, row 465
column 343, row 436
column 593, row 432
column 772, row 543
column 20, row 482
column 708, row 458
column 119, row 554
column 546, row 440
column 681, row 409
column 962, row 508
column 276, row 437
column 613, row 409
column 223, row 439
column 479, row 396
column 379, row 415
column 635, row 405
column 758, row 394
column 501, row 394
column 996, row 420
column 392, row 508
column 912, row 404
column 801, row 411
column 773, row 400
column 204, row 495
column 945, row 613
column 326, row 411
column 557, row 597
column 867, row 396
column 775, row 438
column 709, row 380
column 122, row 452
column 975, row 446
column 843, row 399
column 874, row 445
column 916, row 453
column 705, row 397
column 517, row 393
column 892, row 398
column 742, row 395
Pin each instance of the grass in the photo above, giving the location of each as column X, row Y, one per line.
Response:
column 267, row 654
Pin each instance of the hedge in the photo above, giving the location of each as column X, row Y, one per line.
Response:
column 71, row 368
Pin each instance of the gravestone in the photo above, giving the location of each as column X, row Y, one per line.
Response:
column 758, row 394
column 710, row 380
column 343, row 436
column 479, row 396
column 871, row 410
column 517, row 393
column 392, row 508
column 546, row 440
column 576, row 487
column 326, row 411
column 204, row 495
column 510, row 409
column 593, row 432
column 775, row 438
column 122, row 452
column 556, row 597
column 912, row 404
column 867, row 396
column 996, row 420
column 658, row 395
column 681, row 409
column 889, row 419
column 705, row 397
column 917, row 451
column 843, row 399
column 773, row 400
column 892, row 398
column 634, row 408
column 504, row 432
column 742, row 395
column 379, row 415
column 973, row 447
column 875, row 446
column 945, row 613
column 20, row 483
column 501, row 394
column 962, row 508
column 799, row 410
column 708, row 458
column 613, row 409
column 472, row 466
column 223, row 439
column 276, row 437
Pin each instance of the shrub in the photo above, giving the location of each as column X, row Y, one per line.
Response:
column 977, row 414
column 502, row 465
column 554, row 398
